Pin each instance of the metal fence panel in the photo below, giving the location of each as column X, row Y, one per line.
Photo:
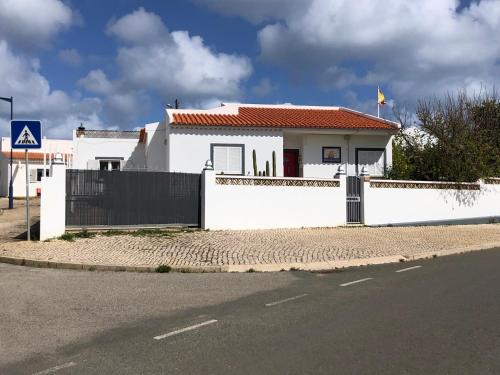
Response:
column 131, row 198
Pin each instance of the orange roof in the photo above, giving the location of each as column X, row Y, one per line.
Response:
column 335, row 118
column 20, row 155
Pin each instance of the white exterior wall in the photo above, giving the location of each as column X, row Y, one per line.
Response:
column 156, row 147
column 53, row 203
column 312, row 148
column 189, row 148
column 88, row 149
column 267, row 207
column 384, row 206
column 312, row 145
column 4, row 176
column 19, row 177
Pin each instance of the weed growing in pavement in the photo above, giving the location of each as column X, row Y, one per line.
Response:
column 70, row 237
column 85, row 234
column 163, row 268
column 250, row 270
column 151, row 233
column 146, row 232
column 113, row 232
column 294, row 269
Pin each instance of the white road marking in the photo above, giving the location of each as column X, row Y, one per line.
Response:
column 356, row 281
column 408, row 269
column 190, row 328
column 56, row 368
column 285, row 300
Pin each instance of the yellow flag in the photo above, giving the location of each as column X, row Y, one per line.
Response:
column 381, row 97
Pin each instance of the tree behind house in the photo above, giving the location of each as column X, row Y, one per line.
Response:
column 459, row 140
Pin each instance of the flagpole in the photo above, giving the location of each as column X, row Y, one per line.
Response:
column 378, row 104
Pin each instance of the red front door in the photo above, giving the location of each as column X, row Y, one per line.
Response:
column 291, row 163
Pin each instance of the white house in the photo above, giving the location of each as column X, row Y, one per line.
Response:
column 308, row 141
column 303, row 141
column 109, row 149
column 39, row 161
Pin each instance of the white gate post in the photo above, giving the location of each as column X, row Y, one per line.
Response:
column 364, row 193
column 207, row 184
column 343, row 186
column 53, row 201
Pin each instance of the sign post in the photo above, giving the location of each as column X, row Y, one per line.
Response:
column 26, row 135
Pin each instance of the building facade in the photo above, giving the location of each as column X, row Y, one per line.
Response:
column 39, row 165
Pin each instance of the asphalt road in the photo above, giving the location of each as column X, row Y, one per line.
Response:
column 440, row 316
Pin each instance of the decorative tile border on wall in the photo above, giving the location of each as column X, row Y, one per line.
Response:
column 272, row 181
column 424, row 185
column 492, row 181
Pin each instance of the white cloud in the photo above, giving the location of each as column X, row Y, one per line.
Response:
column 138, row 27
column 168, row 64
column 256, row 11
column 32, row 23
column 70, row 57
column 34, row 98
column 263, row 88
column 97, row 82
column 417, row 48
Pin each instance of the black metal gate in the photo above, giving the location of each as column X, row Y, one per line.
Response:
column 111, row 198
column 353, row 200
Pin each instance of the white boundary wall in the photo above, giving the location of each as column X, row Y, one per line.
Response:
column 400, row 206
column 53, row 202
column 236, row 206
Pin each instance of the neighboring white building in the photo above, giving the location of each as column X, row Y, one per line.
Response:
column 109, row 149
column 308, row 141
column 39, row 161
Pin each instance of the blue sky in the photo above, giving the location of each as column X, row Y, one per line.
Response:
column 117, row 64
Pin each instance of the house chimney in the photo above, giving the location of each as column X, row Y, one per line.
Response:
column 80, row 130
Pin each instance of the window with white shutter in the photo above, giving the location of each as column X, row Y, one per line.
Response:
column 373, row 160
column 228, row 159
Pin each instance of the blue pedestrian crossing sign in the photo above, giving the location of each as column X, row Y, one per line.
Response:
column 25, row 134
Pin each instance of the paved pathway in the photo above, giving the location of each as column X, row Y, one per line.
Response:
column 13, row 222
column 262, row 247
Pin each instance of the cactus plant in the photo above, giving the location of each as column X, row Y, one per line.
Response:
column 254, row 156
column 274, row 163
column 267, row 168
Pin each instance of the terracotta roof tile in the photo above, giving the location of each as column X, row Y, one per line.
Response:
column 340, row 118
column 20, row 155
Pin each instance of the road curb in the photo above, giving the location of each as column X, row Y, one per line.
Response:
column 103, row 267
column 312, row 266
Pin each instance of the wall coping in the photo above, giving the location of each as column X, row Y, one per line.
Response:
column 276, row 181
column 492, row 180
column 276, row 178
column 407, row 184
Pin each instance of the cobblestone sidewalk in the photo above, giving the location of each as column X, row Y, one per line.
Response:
column 262, row 247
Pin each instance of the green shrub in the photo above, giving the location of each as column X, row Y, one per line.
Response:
column 163, row 268
column 254, row 157
column 274, row 163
